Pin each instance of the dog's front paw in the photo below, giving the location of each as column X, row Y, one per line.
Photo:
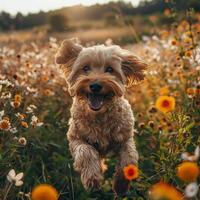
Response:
column 120, row 184
column 90, row 180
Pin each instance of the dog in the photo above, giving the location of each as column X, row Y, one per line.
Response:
column 101, row 118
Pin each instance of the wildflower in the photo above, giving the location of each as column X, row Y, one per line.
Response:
column 188, row 157
column 48, row 92
column 18, row 97
column 151, row 124
column 12, row 177
column 13, row 130
column 190, row 92
column 35, row 121
column 188, row 54
column 131, row 172
column 22, row 141
column 164, row 90
column 24, row 124
column 188, row 171
column 5, row 125
column 191, row 190
column 165, row 103
column 174, row 42
column 44, row 192
column 20, row 116
column 141, row 125
column 30, row 108
column 152, row 109
column 44, row 78
column 6, row 95
column 15, row 104
column 187, row 40
column 163, row 190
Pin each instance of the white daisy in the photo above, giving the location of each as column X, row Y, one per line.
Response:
column 12, row 177
column 191, row 190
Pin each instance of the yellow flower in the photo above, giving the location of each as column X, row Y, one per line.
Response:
column 18, row 97
column 187, row 40
column 188, row 171
column 164, row 90
column 131, row 172
column 5, row 125
column 44, row 192
column 165, row 104
column 161, row 190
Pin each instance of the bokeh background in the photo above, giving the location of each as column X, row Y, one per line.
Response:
column 34, row 102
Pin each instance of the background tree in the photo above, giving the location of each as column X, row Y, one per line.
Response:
column 58, row 22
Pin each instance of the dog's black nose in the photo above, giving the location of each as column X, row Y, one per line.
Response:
column 95, row 87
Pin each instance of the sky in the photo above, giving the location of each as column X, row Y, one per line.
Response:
column 27, row 6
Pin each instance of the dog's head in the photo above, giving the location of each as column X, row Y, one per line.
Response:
column 99, row 73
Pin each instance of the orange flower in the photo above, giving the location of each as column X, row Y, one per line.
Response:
column 188, row 171
column 18, row 97
column 4, row 124
column 163, row 190
column 24, row 124
column 165, row 104
column 174, row 42
column 44, row 192
column 188, row 54
column 131, row 172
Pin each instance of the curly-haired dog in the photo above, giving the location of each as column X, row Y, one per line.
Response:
column 101, row 118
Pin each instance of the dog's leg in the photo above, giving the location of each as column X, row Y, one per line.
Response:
column 87, row 163
column 127, row 155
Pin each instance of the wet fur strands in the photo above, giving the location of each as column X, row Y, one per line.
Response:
column 101, row 118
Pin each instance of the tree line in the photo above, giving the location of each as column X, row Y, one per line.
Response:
column 57, row 19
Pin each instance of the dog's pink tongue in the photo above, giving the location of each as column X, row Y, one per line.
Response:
column 95, row 101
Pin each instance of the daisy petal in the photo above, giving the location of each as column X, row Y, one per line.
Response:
column 19, row 176
column 191, row 190
column 9, row 179
column 12, row 174
column 197, row 152
column 19, row 183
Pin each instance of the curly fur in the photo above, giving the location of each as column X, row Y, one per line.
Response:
column 92, row 134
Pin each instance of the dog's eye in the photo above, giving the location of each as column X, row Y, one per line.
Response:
column 109, row 69
column 86, row 68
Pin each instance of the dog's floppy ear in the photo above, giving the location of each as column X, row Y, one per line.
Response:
column 133, row 67
column 68, row 52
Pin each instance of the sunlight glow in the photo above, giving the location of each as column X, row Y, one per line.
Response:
column 27, row 6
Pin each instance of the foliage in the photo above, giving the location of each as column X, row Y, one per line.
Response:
column 58, row 22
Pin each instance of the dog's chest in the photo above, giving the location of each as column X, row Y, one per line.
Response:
column 106, row 131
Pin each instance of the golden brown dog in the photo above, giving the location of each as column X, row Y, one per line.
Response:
column 101, row 118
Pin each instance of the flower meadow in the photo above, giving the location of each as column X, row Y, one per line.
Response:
column 35, row 162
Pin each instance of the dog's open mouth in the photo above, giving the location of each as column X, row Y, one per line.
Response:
column 96, row 101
